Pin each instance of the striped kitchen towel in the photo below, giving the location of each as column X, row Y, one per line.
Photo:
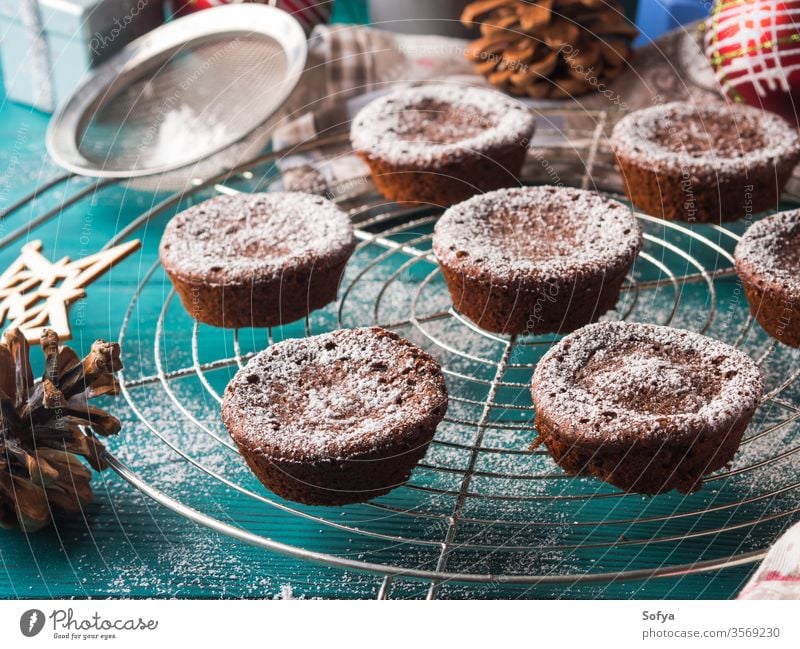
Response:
column 778, row 576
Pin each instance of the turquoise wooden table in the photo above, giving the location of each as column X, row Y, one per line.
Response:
column 125, row 545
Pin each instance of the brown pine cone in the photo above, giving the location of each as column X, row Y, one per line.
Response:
column 549, row 48
column 43, row 424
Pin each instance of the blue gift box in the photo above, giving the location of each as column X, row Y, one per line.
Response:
column 48, row 46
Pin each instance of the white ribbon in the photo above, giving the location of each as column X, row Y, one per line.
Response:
column 38, row 64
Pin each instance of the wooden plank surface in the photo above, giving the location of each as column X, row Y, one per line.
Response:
column 128, row 546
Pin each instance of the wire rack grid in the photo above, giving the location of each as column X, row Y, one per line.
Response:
column 481, row 507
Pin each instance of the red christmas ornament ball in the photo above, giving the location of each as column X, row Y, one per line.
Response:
column 754, row 47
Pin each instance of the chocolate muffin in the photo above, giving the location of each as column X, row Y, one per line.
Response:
column 706, row 163
column 643, row 407
column 536, row 259
column 768, row 263
column 257, row 260
column 338, row 418
column 442, row 144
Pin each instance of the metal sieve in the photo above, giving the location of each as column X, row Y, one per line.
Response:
column 190, row 98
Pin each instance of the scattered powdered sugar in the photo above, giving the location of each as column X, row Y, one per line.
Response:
column 436, row 123
column 287, row 593
column 186, row 559
column 184, row 135
column 238, row 238
column 624, row 381
column 666, row 387
column 770, row 249
column 713, row 137
column 334, row 395
column 543, row 232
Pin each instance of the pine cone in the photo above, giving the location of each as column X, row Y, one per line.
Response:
column 41, row 424
column 549, row 48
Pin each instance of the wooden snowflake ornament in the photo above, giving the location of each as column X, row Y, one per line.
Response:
column 35, row 293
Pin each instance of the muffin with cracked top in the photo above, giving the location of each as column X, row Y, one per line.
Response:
column 644, row 407
column 338, row 418
column 536, row 260
column 257, row 260
column 704, row 163
column 441, row 144
column 768, row 263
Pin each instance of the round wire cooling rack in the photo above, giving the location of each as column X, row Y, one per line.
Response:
column 481, row 506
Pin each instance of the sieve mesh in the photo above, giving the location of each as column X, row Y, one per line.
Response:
column 191, row 98
column 202, row 97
